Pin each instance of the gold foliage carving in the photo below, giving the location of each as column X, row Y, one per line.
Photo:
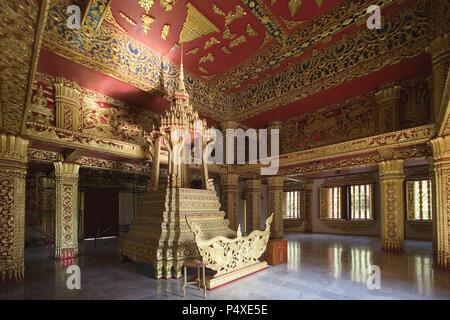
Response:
column 193, row 51
column 147, row 22
column 167, row 4
column 127, row 19
column 238, row 41
column 196, row 25
column 293, row 6
column 110, row 19
column 231, row 16
column 211, row 42
column 165, row 31
column 226, row 50
column 251, row 31
column 146, row 4
column 208, row 58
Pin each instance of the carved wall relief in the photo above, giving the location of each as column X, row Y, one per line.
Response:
column 357, row 117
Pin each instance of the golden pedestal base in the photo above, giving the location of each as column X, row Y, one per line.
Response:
column 215, row 282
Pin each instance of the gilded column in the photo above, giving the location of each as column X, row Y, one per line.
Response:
column 253, row 205
column 230, row 189
column 13, row 169
column 441, row 200
column 388, row 101
column 66, row 224
column 275, row 197
column 68, row 104
column 392, row 205
column 440, row 51
column 306, row 206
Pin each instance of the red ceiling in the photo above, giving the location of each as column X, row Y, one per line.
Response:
column 175, row 18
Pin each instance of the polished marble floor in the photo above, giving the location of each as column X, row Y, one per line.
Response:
column 320, row 267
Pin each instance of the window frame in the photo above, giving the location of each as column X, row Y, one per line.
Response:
column 346, row 201
column 410, row 199
column 299, row 197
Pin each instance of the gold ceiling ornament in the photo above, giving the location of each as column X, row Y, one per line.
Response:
column 272, row 2
column 146, row 5
column 165, row 31
column 208, row 58
column 238, row 13
column 203, row 70
column 110, row 19
column 251, row 31
column 167, row 4
column 218, row 11
column 196, row 25
column 238, row 41
column 211, row 42
column 226, row 50
column 294, row 5
column 227, row 34
column 193, row 51
column 147, row 22
column 127, row 19
column 319, row 3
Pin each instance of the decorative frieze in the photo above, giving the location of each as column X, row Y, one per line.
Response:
column 66, row 224
column 392, row 205
column 388, row 101
column 13, row 160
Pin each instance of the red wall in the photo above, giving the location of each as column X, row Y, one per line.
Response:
column 101, row 211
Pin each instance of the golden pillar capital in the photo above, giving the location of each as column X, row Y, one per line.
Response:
column 441, row 149
column 13, row 164
column 388, row 101
column 230, row 189
column 68, row 104
column 391, row 169
column 253, row 204
column 275, row 125
column 229, row 179
column 392, row 205
column 440, row 52
column 229, row 124
column 275, row 199
column 441, row 198
column 66, row 224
